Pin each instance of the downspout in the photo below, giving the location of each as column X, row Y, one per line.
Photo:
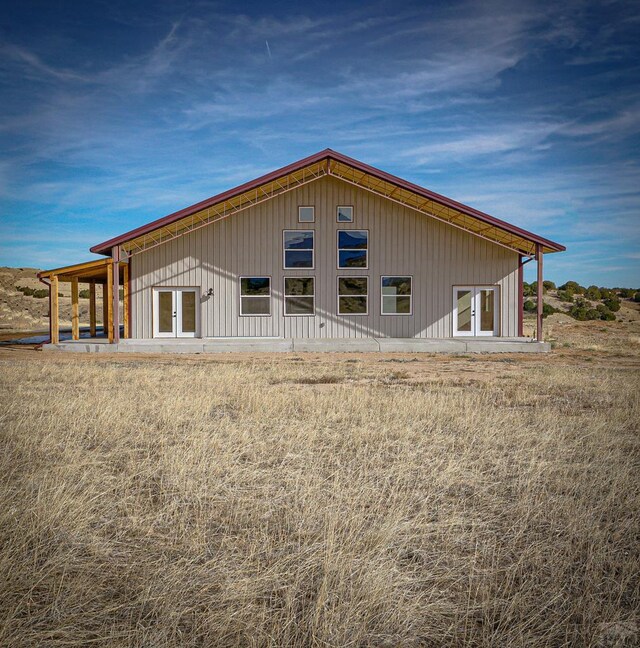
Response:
column 41, row 280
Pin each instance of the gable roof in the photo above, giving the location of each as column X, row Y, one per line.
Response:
column 329, row 163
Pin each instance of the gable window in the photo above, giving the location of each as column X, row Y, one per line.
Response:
column 306, row 215
column 298, row 249
column 344, row 214
column 255, row 296
column 353, row 247
column 353, row 295
column 299, row 296
column 396, row 295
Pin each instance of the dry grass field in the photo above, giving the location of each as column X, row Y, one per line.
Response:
column 323, row 500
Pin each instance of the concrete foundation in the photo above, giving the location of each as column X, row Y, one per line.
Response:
column 302, row 345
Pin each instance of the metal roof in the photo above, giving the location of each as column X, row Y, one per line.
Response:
column 309, row 169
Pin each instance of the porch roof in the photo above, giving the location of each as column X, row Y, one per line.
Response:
column 90, row 271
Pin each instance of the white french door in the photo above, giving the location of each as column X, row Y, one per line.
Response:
column 475, row 310
column 175, row 312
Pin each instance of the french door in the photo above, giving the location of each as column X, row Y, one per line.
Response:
column 176, row 312
column 475, row 310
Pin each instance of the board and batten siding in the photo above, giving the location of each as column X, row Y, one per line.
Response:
column 401, row 242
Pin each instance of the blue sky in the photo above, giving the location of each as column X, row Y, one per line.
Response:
column 116, row 113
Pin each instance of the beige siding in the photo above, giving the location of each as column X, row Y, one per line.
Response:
column 401, row 241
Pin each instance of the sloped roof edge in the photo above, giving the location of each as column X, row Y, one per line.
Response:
column 105, row 247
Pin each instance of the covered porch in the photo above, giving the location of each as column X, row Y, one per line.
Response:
column 104, row 272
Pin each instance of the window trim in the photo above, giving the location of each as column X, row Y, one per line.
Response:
column 240, row 295
column 313, row 250
column 284, row 296
column 382, row 296
column 338, row 249
column 353, row 214
column 313, row 207
column 339, row 295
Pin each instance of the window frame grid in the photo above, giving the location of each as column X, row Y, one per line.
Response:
column 339, row 249
column 382, row 296
column 241, row 296
column 285, row 296
column 313, row 207
column 353, row 215
column 339, row 295
column 312, row 250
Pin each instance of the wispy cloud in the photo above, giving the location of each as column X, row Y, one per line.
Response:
column 529, row 112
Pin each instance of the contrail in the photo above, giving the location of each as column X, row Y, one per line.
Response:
column 268, row 48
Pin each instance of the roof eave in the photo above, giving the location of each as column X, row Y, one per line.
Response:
column 329, row 154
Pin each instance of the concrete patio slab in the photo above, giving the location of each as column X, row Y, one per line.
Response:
column 306, row 345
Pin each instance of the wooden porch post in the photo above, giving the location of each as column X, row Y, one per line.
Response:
column 125, row 299
column 109, row 296
column 54, row 320
column 75, row 311
column 92, row 309
column 540, row 291
column 115, row 309
column 105, row 308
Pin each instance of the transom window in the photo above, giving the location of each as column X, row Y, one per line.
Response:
column 396, row 295
column 353, row 248
column 299, row 296
column 298, row 249
column 344, row 214
column 353, row 295
column 255, row 296
column 306, row 214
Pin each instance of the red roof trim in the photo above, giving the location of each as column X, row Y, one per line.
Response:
column 105, row 248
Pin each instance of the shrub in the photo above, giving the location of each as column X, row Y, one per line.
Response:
column 606, row 293
column 527, row 291
column 84, row 294
column 605, row 313
column 38, row 293
column 531, row 307
column 593, row 314
column 593, row 293
column 578, row 313
column 574, row 287
column 626, row 293
column 565, row 295
column 636, row 297
column 548, row 285
column 613, row 304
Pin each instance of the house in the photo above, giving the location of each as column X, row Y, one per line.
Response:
column 325, row 248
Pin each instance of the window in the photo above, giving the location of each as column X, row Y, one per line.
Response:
column 298, row 249
column 255, row 296
column 299, row 296
column 344, row 214
column 396, row 295
column 352, row 248
column 306, row 215
column 353, row 295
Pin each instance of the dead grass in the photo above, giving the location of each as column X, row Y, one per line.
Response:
column 338, row 501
